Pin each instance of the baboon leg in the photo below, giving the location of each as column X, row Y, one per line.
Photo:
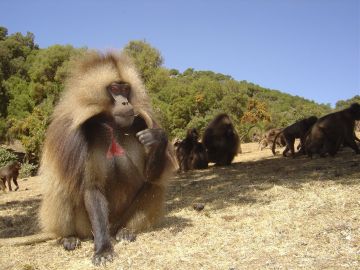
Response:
column 8, row 180
column 352, row 144
column 290, row 143
column 96, row 206
column 16, row 183
column 3, row 181
column 141, row 214
column 286, row 150
column 301, row 146
column 328, row 147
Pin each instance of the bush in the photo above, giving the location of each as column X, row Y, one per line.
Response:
column 27, row 170
column 6, row 157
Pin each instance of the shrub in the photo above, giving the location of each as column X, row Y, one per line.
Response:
column 27, row 170
column 6, row 157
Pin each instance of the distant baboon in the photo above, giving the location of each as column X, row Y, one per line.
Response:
column 190, row 153
column 10, row 172
column 105, row 161
column 198, row 158
column 269, row 136
column 298, row 130
column 256, row 138
column 221, row 140
column 333, row 130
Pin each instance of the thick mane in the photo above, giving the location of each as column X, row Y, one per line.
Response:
column 84, row 97
column 85, row 92
column 65, row 152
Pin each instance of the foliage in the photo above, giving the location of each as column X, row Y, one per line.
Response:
column 6, row 157
column 342, row 104
column 146, row 58
column 27, row 170
column 31, row 130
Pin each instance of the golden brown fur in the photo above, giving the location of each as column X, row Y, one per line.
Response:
column 68, row 158
column 64, row 156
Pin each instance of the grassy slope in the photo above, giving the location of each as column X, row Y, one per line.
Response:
column 262, row 212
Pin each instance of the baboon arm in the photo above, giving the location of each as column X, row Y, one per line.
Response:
column 155, row 142
column 156, row 161
column 97, row 208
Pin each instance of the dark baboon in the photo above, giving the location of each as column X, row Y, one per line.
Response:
column 298, row 130
column 333, row 130
column 221, row 140
column 105, row 161
column 190, row 153
column 10, row 172
column 269, row 136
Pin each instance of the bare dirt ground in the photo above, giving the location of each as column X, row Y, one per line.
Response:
column 262, row 212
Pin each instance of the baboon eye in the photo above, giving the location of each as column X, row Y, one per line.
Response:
column 119, row 88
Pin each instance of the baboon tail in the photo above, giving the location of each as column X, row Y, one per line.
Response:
column 274, row 143
column 27, row 240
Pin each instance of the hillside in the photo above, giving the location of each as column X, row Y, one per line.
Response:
column 32, row 80
column 262, row 212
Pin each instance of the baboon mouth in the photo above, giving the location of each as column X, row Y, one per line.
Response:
column 125, row 115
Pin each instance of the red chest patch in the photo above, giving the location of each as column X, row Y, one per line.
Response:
column 115, row 150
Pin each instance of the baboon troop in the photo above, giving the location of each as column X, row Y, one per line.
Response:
column 298, row 130
column 333, row 130
column 322, row 136
column 105, row 162
column 8, row 173
column 220, row 144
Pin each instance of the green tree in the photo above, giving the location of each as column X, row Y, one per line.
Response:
column 146, row 58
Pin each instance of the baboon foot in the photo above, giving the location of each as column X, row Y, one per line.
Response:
column 126, row 235
column 102, row 257
column 70, row 243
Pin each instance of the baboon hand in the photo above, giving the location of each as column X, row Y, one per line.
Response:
column 152, row 137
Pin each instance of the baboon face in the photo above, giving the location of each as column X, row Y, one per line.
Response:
column 123, row 111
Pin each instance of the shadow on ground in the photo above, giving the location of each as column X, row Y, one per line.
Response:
column 234, row 184
column 216, row 186
column 23, row 222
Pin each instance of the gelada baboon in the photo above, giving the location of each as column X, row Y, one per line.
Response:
column 10, row 172
column 221, row 140
column 298, row 130
column 269, row 136
column 332, row 130
column 190, row 153
column 105, row 161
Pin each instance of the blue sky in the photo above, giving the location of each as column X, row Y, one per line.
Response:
column 309, row 48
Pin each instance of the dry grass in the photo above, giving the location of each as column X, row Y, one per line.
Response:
column 262, row 212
